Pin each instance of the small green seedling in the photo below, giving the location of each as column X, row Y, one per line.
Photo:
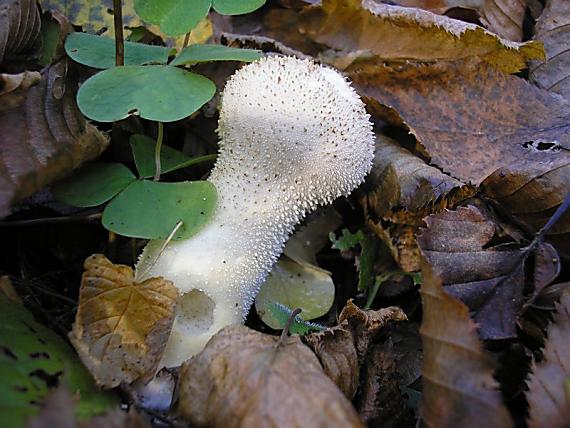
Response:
column 298, row 325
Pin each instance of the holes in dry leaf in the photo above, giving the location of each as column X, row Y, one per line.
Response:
column 51, row 380
column 195, row 312
column 8, row 353
column 542, row 146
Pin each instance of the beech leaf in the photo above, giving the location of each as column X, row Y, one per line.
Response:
column 504, row 17
column 548, row 397
column 471, row 118
column 19, row 29
column 122, row 325
column 393, row 33
column 532, row 190
column 44, row 136
column 401, row 190
column 485, row 278
column 553, row 29
column 458, row 388
column 243, row 377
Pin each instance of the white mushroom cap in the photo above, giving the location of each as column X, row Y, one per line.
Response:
column 294, row 135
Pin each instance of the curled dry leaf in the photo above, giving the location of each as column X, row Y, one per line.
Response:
column 456, row 244
column 531, row 190
column 342, row 349
column 19, row 29
column 121, row 326
column 399, row 192
column 44, row 135
column 244, row 378
column 553, row 29
column 458, row 388
column 471, row 118
column 504, row 17
column 548, row 395
column 393, row 33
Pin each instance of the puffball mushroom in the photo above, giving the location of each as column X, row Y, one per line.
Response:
column 294, row 135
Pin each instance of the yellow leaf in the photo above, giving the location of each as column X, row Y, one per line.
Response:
column 121, row 326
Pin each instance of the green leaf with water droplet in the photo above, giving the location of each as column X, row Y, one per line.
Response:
column 154, row 92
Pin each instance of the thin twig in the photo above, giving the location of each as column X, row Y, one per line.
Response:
column 119, row 40
column 288, row 324
column 52, row 220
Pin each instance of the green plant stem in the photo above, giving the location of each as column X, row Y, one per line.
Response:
column 157, row 150
column 119, row 40
column 380, row 279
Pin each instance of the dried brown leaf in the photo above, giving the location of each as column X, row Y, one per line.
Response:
column 531, row 190
column 401, row 190
column 43, row 135
column 19, row 30
column 458, row 385
column 343, row 348
column 470, row 118
column 393, row 33
column 485, row 279
column 380, row 402
column 504, row 17
column 121, row 326
column 244, row 379
column 549, row 384
column 553, row 29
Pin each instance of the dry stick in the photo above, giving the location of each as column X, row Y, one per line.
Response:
column 285, row 331
column 162, row 248
column 119, row 42
column 52, row 220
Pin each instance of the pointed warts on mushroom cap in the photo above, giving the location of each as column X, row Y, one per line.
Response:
column 294, row 135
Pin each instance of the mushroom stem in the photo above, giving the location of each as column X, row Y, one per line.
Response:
column 294, row 135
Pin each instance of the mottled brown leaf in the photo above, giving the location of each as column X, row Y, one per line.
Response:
column 393, row 33
column 457, row 377
column 531, row 190
column 19, row 30
column 343, row 348
column 43, row 135
column 553, row 29
column 504, row 17
column 244, row 379
column 549, row 384
column 471, row 118
column 485, row 279
column 401, row 182
column 121, row 326
column 400, row 191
